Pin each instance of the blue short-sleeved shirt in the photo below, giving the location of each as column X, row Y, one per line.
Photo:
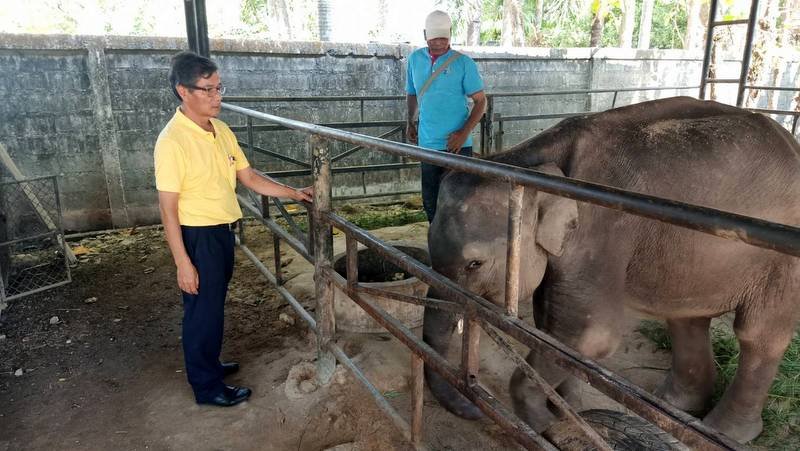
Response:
column 443, row 107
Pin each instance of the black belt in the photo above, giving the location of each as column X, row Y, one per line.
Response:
column 230, row 227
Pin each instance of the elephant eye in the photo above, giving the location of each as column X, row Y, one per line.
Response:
column 474, row 264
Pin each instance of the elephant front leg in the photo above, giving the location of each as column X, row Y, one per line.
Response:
column 690, row 382
column 530, row 402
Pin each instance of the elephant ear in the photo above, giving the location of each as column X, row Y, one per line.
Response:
column 557, row 216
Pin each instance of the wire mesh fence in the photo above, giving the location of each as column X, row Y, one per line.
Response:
column 32, row 246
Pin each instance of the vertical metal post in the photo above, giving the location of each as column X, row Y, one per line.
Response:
column 498, row 139
column 351, row 249
column 276, row 251
column 196, row 26
column 417, row 396
column 470, row 347
column 748, row 50
column 488, row 115
column 794, row 123
column 614, row 100
column 362, row 110
column 513, row 254
column 323, row 245
column 250, row 140
column 712, row 17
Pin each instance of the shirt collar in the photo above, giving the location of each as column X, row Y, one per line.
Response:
column 185, row 121
column 434, row 58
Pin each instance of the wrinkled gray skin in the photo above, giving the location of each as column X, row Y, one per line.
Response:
column 589, row 262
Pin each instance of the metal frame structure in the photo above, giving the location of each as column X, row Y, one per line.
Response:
column 479, row 313
column 49, row 228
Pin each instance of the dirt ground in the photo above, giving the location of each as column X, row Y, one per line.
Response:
column 109, row 373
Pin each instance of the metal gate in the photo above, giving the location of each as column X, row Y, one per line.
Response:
column 479, row 313
column 32, row 247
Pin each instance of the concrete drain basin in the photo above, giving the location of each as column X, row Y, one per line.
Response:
column 376, row 272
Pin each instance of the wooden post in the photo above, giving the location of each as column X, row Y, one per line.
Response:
column 513, row 251
column 352, row 261
column 323, row 255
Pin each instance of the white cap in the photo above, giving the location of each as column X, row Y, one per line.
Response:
column 437, row 25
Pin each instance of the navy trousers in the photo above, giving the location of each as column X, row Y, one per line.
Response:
column 431, row 178
column 211, row 251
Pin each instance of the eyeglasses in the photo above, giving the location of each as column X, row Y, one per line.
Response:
column 211, row 90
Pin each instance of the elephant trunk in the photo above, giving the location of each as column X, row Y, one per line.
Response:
column 437, row 330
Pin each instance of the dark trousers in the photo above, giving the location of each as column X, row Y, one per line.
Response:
column 431, row 178
column 211, row 251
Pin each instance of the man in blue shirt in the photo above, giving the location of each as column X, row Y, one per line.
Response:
column 445, row 121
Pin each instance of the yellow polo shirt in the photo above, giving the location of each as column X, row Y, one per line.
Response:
column 201, row 167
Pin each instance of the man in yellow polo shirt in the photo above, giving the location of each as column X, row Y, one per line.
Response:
column 197, row 164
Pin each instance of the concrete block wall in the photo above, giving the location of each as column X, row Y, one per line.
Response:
column 89, row 109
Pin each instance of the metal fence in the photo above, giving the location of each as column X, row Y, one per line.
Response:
column 491, row 132
column 32, row 247
column 478, row 313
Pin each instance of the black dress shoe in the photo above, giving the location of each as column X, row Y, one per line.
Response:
column 238, row 392
column 229, row 368
column 230, row 396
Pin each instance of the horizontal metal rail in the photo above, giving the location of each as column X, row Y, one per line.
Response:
column 277, row 155
column 587, row 91
column 251, row 99
column 363, row 124
column 729, row 22
column 723, row 224
column 722, row 80
column 773, row 88
column 345, row 169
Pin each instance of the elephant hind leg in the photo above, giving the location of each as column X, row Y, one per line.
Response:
column 690, row 382
column 762, row 344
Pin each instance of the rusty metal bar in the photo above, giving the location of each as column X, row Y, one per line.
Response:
column 277, row 155
column 769, row 235
column 551, row 394
column 298, row 232
column 513, row 252
column 296, row 244
column 304, row 315
column 498, row 137
column 334, row 125
column 357, row 148
column 729, row 22
column 470, row 347
column 489, row 116
column 251, row 143
column 276, row 251
column 323, row 253
column 515, row 427
column 417, row 398
column 681, row 425
column 346, row 169
column 426, row 302
column 352, row 261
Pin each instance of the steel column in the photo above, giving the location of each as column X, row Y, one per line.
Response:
column 196, row 26
column 748, row 52
column 712, row 17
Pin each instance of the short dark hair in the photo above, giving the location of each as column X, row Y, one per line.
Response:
column 187, row 68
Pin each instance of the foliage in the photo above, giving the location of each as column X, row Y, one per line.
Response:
column 781, row 413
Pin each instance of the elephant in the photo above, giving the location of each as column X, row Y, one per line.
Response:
column 583, row 265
